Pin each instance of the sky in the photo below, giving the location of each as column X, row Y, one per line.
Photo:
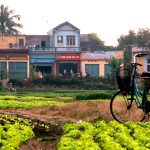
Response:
column 108, row 18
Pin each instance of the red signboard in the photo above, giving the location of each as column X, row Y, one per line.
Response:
column 68, row 57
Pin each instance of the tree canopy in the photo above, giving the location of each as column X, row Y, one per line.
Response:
column 141, row 38
column 96, row 43
column 8, row 26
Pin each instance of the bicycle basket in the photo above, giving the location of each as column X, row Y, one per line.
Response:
column 123, row 78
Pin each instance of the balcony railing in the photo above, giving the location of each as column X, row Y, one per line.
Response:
column 56, row 49
column 15, row 46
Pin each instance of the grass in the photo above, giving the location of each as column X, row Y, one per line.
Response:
column 58, row 93
column 28, row 99
column 51, row 94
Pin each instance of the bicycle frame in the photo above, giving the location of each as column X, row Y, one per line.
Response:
column 131, row 103
column 139, row 95
column 134, row 89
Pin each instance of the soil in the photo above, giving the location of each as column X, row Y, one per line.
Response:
column 59, row 115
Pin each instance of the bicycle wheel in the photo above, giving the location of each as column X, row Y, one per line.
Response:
column 123, row 109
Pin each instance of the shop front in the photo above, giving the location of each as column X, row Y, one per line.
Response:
column 14, row 64
column 96, row 64
column 43, row 65
column 68, row 64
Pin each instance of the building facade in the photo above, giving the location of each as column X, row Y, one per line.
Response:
column 68, row 64
column 96, row 64
column 14, row 64
column 13, row 42
column 56, row 52
column 65, row 39
column 42, row 56
column 14, row 58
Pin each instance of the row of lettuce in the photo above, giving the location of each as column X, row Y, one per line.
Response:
column 16, row 130
column 106, row 136
column 12, row 136
column 28, row 102
column 81, row 136
column 13, row 133
column 13, row 101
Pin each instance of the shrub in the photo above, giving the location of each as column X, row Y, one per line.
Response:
column 1, row 86
column 57, row 81
column 98, row 86
column 17, row 82
column 94, row 96
column 80, row 83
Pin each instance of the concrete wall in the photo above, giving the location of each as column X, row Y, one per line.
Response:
column 6, row 40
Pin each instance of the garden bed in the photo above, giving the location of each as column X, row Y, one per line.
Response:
column 66, row 109
column 58, row 116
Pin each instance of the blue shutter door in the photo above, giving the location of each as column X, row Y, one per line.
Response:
column 107, row 69
column 92, row 69
column 3, row 71
column 18, row 70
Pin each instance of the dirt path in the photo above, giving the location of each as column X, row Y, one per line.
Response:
column 71, row 112
column 59, row 115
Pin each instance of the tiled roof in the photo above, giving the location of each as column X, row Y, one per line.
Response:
column 65, row 23
column 84, row 38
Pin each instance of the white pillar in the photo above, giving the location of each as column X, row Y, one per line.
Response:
column 7, row 69
column 28, row 68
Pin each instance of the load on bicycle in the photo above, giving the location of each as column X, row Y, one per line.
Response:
column 131, row 102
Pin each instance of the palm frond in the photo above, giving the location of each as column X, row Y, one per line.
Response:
column 7, row 21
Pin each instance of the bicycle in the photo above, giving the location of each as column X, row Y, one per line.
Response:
column 131, row 103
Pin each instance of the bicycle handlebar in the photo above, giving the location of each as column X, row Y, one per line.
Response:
column 137, row 64
column 138, row 55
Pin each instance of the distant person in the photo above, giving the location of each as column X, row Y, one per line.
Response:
column 65, row 72
column 71, row 73
column 40, row 74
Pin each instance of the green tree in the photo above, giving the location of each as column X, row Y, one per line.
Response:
column 96, row 43
column 126, row 40
column 114, row 63
column 141, row 38
column 127, row 56
column 8, row 26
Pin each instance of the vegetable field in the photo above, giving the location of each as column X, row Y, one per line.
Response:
column 103, row 136
column 66, row 120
